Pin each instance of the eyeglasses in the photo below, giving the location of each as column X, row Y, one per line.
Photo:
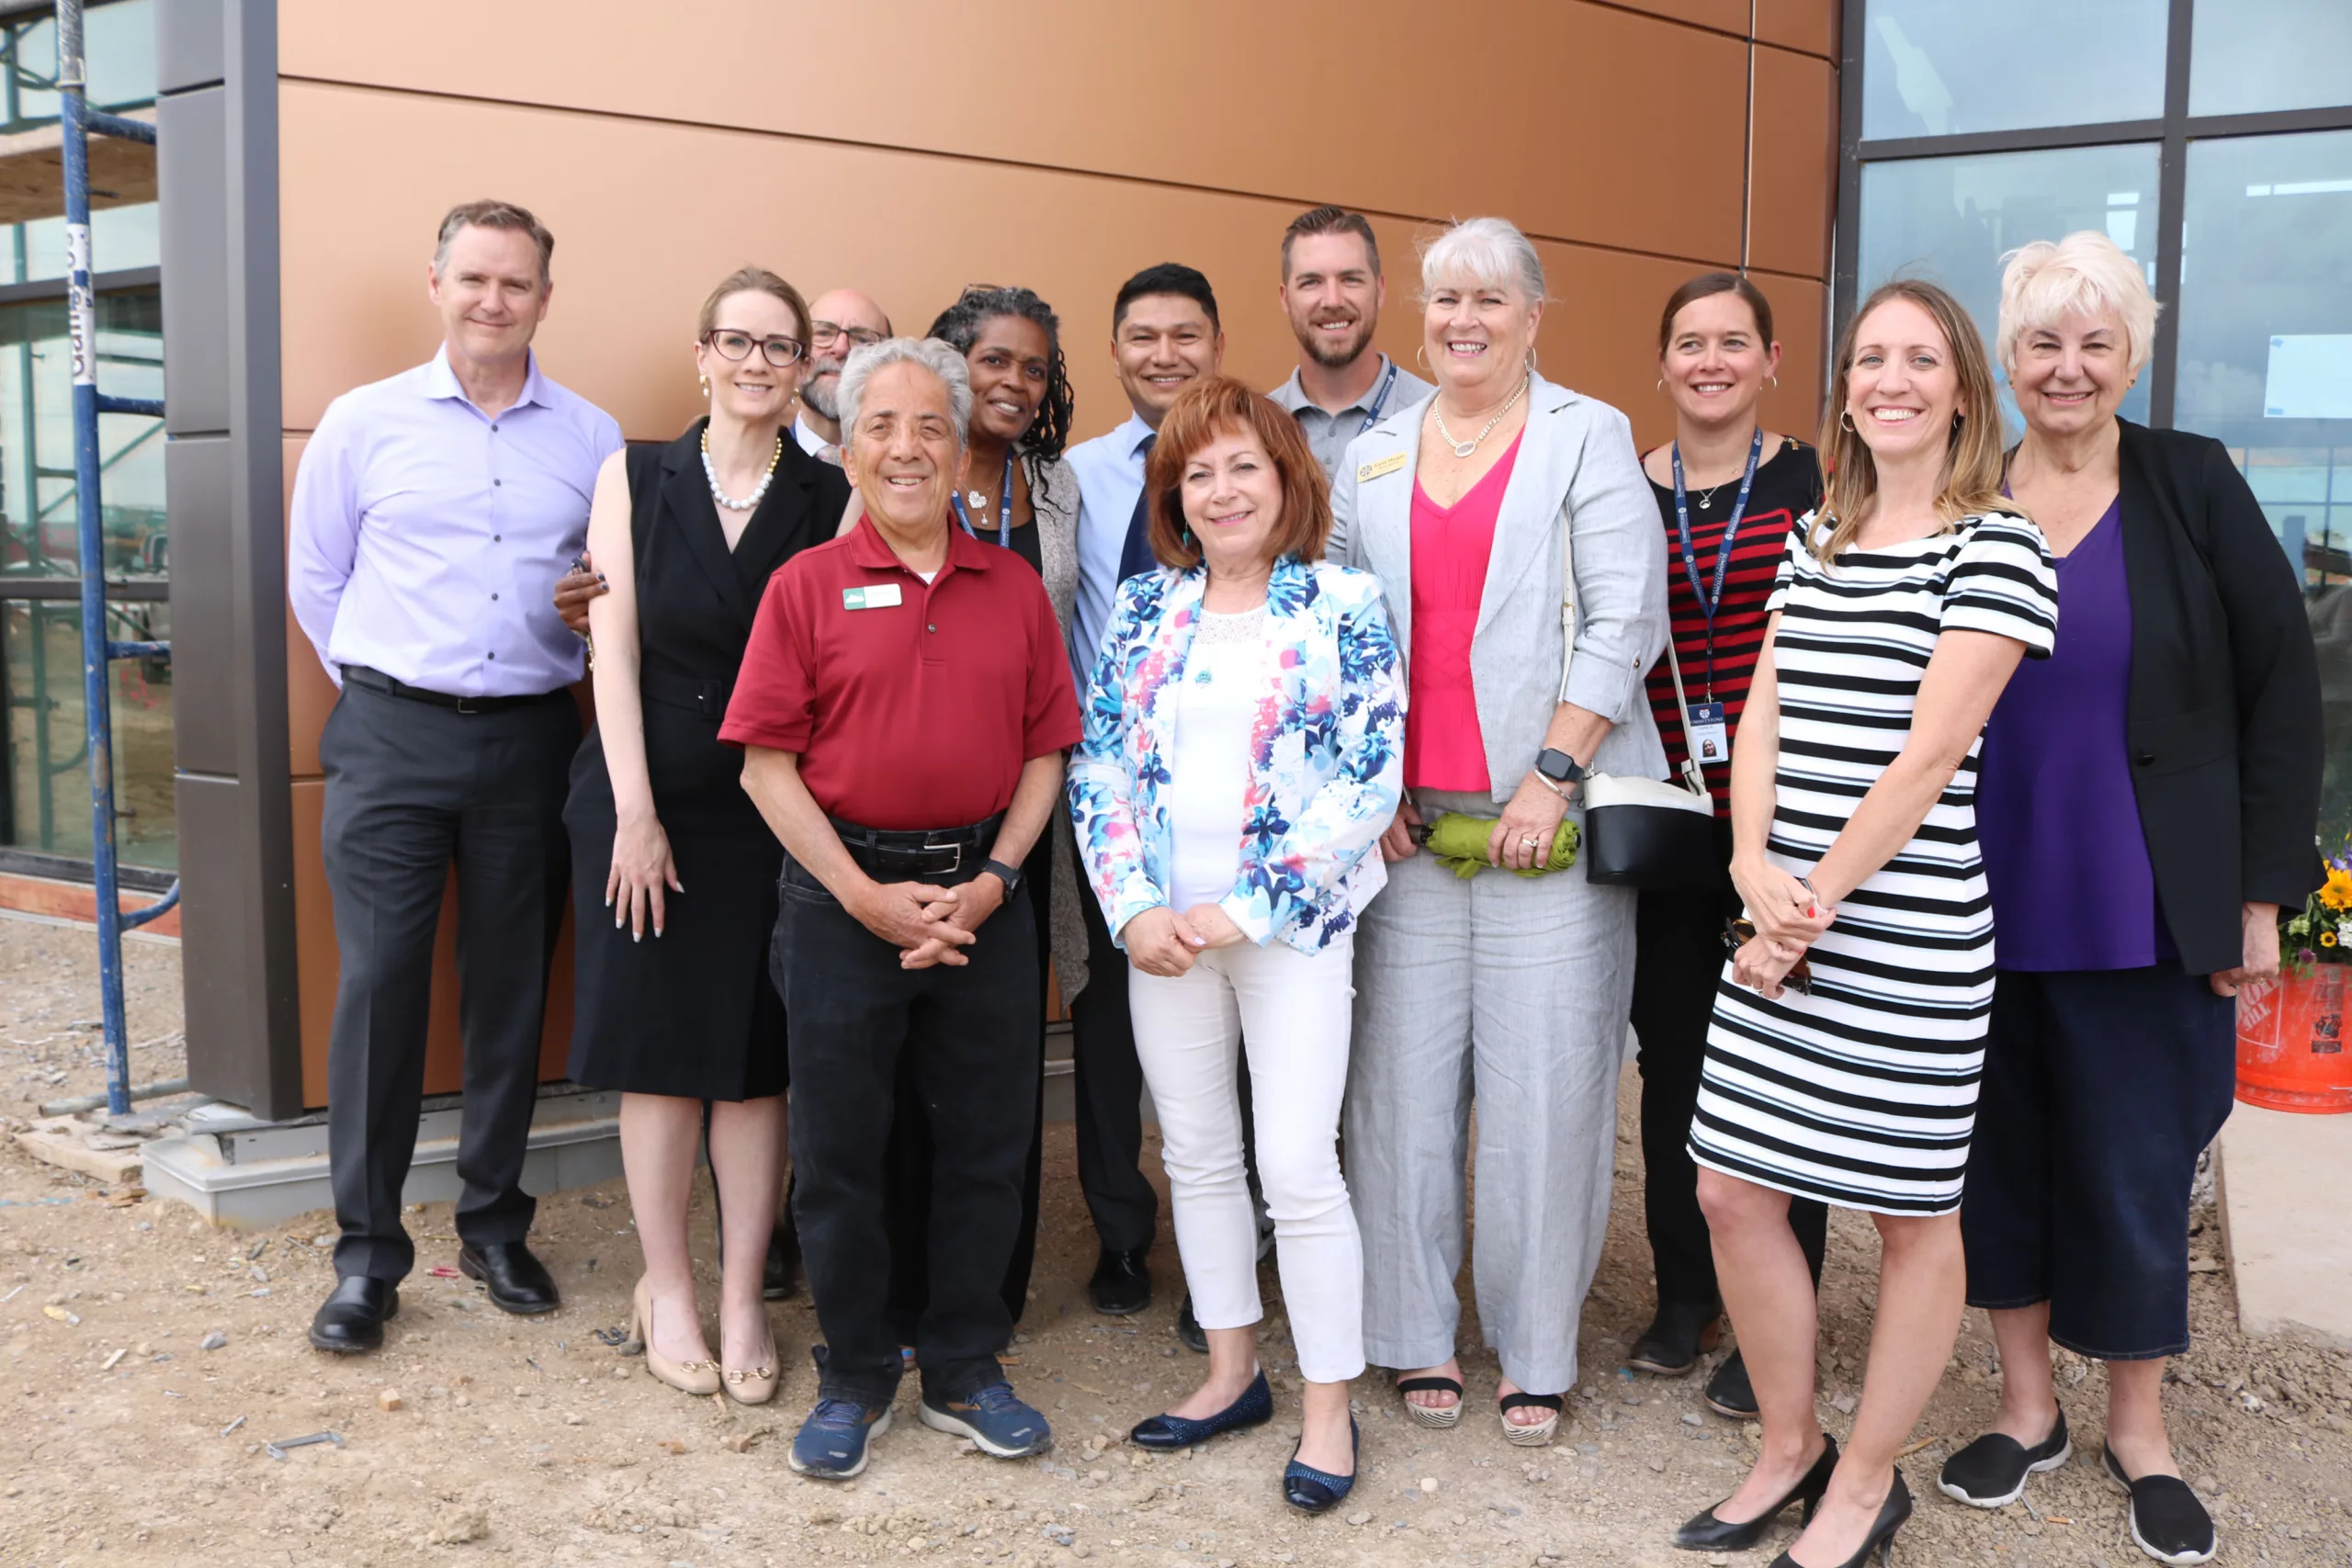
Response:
column 824, row 335
column 778, row 351
column 1738, row 933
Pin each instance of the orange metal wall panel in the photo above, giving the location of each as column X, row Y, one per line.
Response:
column 1807, row 24
column 1535, row 119
column 1723, row 16
column 1799, row 307
column 1795, row 163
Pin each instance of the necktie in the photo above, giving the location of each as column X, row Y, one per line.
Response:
column 1136, row 555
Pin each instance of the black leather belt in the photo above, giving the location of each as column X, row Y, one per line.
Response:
column 896, row 854
column 376, row 681
column 706, row 699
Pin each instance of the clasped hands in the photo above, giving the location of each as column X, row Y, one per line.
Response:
column 1161, row 941
column 930, row 925
column 1789, row 920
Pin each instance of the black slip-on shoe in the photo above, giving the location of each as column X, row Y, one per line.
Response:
column 1122, row 1285
column 1678, row 1335
column 351, row 1320
column 1991, row 1471
column 518, row 1283
column 1729, row 1392
column 2168, row 1521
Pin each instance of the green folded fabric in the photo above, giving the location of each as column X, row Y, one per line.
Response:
column 1460, row 843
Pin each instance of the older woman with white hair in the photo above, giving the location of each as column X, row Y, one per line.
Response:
column 2146, row 806
column 1507, row 990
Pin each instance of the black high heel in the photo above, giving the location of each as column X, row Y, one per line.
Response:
column 1893, row 1514
column 1708, row 1533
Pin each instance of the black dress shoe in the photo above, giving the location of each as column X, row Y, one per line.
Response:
column 1188, row 1328
column 1122, row 1285
column 1708, row 1533
column 518, row 1283
column 1673, row 1342
column 1729, row 1392
column 781, row 1277
column 351, row 1318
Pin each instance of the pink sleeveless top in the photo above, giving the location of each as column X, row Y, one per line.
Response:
column 1444, row 748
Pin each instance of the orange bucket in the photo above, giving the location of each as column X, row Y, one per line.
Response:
column 2290, row 1043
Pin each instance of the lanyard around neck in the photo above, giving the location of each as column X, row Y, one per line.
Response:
column 1708, row 601
column 1379, row 399
column 1004, row 508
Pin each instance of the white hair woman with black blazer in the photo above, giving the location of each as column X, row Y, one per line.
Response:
column 1507, row 990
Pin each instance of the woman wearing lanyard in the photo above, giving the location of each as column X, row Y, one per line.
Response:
column 1729, row 491
column 1018, row 493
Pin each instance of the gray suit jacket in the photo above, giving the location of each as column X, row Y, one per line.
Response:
column 1577, row 461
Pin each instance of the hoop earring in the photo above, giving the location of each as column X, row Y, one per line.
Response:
column 1846, row 422
column 1772, row 383
column 1958, row 419
column 1422, row 356
column 1661, row 383
column 703, row 382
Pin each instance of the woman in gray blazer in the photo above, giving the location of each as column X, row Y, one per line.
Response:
column 1509, row 990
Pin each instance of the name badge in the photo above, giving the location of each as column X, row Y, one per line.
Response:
column 1380, row 466
column 1710, row 734
column 879, row 596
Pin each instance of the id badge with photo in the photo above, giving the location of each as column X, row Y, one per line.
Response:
column 1710, row 733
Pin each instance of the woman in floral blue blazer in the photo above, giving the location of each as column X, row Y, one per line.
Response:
column 1243, row 753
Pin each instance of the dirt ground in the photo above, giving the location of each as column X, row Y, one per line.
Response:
column 531, row 1442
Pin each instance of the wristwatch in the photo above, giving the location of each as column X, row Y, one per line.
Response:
column 1558, row 766
column 1008, row 874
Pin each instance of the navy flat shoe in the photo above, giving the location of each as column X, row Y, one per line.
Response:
column 1254, row 1408
column 1312, row 1491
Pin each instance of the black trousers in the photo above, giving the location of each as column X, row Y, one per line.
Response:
column 2101, row 1088
column 969, row 1034
column 1108, row 1081
column 1678, row 959
column 411, row 789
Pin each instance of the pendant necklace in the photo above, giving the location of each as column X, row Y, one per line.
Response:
column 759, row 493
column 1465, row 448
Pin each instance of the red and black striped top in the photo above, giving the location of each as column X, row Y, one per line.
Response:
column 1788, row 486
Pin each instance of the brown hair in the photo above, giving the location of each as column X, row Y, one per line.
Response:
column 753, row 280
column 1709, row 283
column 493, row 214
column 1330, row 220
column 1210, row 408
column 1971, row 480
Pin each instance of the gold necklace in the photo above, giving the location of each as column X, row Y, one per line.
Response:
column 1465, row 448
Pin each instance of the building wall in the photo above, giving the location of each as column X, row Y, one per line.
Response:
column 908, row 151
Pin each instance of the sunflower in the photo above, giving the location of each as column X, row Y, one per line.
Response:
column 2338, row 892
column 2327, row 939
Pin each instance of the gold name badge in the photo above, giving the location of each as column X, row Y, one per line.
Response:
column 879, row 596
column 1378, row 466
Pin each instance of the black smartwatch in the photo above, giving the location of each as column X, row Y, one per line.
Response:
column 1008, row 874
column 1558, row 766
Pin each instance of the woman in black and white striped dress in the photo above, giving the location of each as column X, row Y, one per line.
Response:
column 1849, row 1029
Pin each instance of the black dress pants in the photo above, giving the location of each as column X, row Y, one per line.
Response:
column 412, row 788
column 969, row 1035
column 1108, row 1081
column 1678, row 960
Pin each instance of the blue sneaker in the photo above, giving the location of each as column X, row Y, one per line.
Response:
column 831, row 1443
column 996, row 1421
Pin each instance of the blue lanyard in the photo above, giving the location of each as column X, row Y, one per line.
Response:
column 1005, row 509
column 1379, row 399
column 1707, row 602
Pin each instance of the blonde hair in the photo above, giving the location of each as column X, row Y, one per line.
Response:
column 1970, row 480
column 2085, row 274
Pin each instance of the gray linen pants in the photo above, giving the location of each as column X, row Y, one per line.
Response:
column 1511, row 991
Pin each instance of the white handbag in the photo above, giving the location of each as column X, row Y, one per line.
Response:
column 1639, row 833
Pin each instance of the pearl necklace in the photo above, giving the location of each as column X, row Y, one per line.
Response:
column 710, row 472
column 1465, row 448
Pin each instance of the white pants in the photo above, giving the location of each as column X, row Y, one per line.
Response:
column 1294, row 1008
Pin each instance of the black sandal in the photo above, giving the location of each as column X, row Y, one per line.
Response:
column 1439, row 1418
column 1538, row 1435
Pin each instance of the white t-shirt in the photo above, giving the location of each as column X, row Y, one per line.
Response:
column 1229, row 674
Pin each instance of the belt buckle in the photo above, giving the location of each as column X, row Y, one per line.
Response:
column 466, row 705
column 957, row 850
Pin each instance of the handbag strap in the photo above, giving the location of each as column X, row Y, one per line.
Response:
column 1695, row 778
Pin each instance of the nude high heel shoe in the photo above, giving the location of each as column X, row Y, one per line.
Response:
column 687, row 1377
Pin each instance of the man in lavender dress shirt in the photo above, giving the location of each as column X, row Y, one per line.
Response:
column 431, row 514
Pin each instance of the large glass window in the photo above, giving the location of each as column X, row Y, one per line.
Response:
column 1951, row 219
column 2258, row 56
column 48, row 770
column 1945, row 68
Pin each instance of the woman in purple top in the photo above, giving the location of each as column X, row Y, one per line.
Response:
column 2144, row 806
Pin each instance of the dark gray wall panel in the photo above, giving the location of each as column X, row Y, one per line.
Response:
column 205, row 607
column 188, row 44
column 223, row 968
column 191, row 153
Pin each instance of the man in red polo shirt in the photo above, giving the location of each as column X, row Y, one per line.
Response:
column 903, row 706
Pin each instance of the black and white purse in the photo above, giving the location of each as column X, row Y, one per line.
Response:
column 1650, row 833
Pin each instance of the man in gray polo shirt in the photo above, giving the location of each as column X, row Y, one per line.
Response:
column 1332, row 292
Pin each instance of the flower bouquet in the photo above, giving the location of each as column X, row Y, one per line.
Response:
column 2320, row 931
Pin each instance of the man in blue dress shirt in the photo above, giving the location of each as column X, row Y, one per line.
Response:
column 1164, row 336
column 431, row 514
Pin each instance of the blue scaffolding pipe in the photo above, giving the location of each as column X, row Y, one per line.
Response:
column 76, row 121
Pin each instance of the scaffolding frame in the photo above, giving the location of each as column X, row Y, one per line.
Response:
column 77, row 121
